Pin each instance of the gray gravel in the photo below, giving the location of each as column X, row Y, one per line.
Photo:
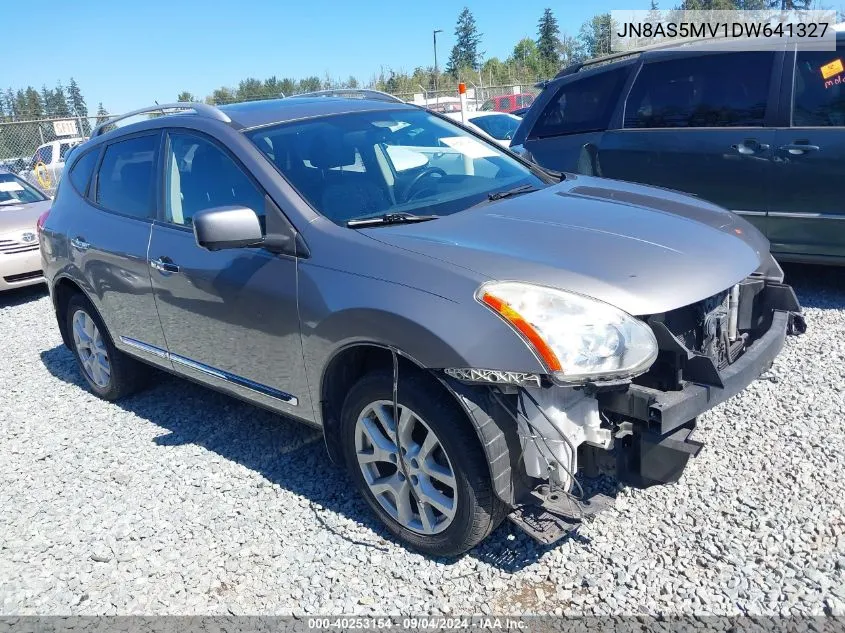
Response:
column 181, row 500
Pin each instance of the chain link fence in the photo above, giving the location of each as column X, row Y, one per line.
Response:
column 502, row 98
column 37, row 150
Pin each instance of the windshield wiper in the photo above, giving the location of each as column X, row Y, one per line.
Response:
column 390, row 218
column 501, row 195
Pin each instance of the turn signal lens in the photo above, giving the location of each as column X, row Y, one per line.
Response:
column 525, row 328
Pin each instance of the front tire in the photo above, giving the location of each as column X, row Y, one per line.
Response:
column 424, row 475
column 109, row 373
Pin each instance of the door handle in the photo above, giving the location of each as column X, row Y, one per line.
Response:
column 164, row 265
column 79, row 243
column 750, row 146
column 796, row 149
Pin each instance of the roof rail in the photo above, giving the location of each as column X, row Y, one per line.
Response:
column 351, row 93
column 574, row 68
column 202, row 109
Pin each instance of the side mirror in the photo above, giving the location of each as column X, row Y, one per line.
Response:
column 227, row 227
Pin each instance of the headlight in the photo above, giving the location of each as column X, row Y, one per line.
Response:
column 578, row 338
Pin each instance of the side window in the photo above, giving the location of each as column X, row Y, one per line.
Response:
column 83, row 168
column 583, row 105
column 44, row 154
column 126, row 180
column 717, row 90
column 819, row 90
column 64, row 150
column 199, row 175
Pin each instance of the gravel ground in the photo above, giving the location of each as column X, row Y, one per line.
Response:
column 183, row 501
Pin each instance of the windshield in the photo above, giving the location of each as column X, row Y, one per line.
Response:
column 13, row 190
column 366, row 164
column 499, row 126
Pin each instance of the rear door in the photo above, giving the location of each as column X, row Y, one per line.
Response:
column 699, row 122
column 230, row 317
column 109, row 235
column 807, row 215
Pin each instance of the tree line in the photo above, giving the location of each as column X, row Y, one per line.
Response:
column 30, row 104
column 530, row 60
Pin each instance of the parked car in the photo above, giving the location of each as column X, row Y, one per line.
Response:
column 759, row 132
column 21, row 206
column 507, row 103
column 455, row 327
column 499, row 126
column 47, row 164
column 520, row 112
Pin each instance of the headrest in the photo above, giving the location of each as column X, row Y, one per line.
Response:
column 329, row 151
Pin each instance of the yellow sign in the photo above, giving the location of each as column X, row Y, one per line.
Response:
column 42, row 175
column 833, row 68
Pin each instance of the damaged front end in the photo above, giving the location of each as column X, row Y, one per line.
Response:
column 539, row 432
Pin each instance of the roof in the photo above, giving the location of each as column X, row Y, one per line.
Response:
column 257, row 113
column 693, row 45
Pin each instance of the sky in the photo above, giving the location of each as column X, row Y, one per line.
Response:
column 129, row 54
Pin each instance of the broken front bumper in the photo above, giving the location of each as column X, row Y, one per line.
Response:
column 665, row 411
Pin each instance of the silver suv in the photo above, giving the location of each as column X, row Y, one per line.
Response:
column 467, row 329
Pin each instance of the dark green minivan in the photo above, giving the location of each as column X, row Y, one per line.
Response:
column 759, row 132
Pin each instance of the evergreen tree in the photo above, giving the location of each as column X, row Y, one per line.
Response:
column 310, row 84
column 465, row 52
column 287, row 86
column 102, row 113
column 21, row 109
column 60, row 107
column 249, row 89
column 34, row 107
column 10, row 104
column 76, row 101
column 185, row 96
column 548, row 42
column 595, row 36
column 47, row 100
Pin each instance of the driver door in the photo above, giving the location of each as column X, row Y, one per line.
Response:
column 229, row 317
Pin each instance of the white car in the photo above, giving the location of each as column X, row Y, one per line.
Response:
column 499, row 126
column 47, row 164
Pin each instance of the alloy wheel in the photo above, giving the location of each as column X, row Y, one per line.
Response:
column 406, row 467
column 91, row 349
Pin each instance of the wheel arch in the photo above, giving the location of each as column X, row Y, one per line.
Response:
column 493, row 426
column 63, row 289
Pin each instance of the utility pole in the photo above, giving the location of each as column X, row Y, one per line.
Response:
column 436, row 31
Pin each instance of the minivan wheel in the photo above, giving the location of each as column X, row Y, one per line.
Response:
column 110, row 373
column 423, row 471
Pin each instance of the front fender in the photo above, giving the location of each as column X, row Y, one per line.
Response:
column 339, row 309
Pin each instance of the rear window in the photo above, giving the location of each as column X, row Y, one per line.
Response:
column 717, row 90
column 499, row 126
column 583, row 105
column 126, row 178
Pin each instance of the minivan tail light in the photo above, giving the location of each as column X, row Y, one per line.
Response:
column 39, row 225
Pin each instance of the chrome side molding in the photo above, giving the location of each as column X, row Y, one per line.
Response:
column 212, row 371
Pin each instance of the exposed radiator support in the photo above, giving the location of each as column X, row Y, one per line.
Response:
column 733, row 313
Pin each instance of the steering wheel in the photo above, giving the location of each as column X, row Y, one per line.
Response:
column 428, row 172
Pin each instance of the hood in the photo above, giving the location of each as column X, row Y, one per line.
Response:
column 17, row 218
column 642, row 249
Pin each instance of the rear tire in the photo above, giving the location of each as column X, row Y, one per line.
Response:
column 426, row 476
column 108, row 372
